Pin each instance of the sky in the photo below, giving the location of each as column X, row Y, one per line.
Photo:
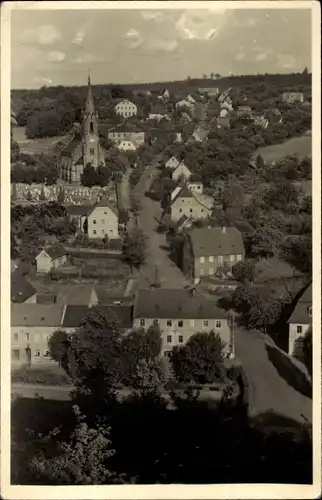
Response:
column 58, row 47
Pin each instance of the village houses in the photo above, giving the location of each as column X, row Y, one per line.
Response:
column 293, row 97
column 126, row 108
column 223, row 120
column 158, row 112
column 126, row 145
column 103, row 221
column 207, row 249
column 78, row 213
column 50, row 258
column 227, row 104
column 190, row 203
column 172, row 163
column 179, row 315
column 22, row 290
column 300, row 322
column 124, row 132
column 181, row 171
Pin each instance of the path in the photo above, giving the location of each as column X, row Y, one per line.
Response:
column 275, row 383
column 158, row 261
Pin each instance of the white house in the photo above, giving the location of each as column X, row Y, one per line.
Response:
column 181, row 171
column 184, row 103
column 191, row 99
column 300, row 322
column 227, row 104
column 126, row 108
column 172, row 162
column 50, row 258
column 126, row 146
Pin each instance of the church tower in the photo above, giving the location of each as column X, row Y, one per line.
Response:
column 91, row 147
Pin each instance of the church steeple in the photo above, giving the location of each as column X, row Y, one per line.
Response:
column 89, row 104
column 91, row 151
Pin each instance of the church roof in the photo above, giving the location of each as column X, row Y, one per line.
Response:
column 89, row 104
column 71, row 145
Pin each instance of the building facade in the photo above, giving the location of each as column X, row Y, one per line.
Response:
column 103, row 221
column 181, row 171
column 293, row 97
column 50, row 258
column 126, row 109
column 119, row 134
column 191, row 204
column 300, row 322
column 206, row 250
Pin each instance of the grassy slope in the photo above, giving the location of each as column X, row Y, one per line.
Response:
column 300, row 146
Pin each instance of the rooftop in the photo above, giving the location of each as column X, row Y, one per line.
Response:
column 175, row 304
column 36, row 315
column 21, row 289
column 55, row 252
column 71, row 145
column 216, row 241
column 78, row 209
column 301, row 314
column 104, row 202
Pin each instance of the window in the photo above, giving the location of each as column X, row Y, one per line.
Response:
column 205, row 323
column 155, row 322
column 37, row 353
column 169, row 322
column 180, row 209
column 91, row 151
column 202, row 272
column 191, row 210
column 211, row 259
column 202, row 210
column 105, row 213
column 142, row 322
column 220, row 258
column 102, row 221
column 27, row 336
column 15, row 337
column 180, row 339
column 202, row 260
column 16, row 354
column 299, row 329
column 91, row 127
column 94, row 221
column 169, row 339
column 232, row 258
column 211, row 270
column 192, row 322
column 218, row 324
column 46, row 355
column 239, row 257
column 180, row 323
column 94, row 231
column 102, row 231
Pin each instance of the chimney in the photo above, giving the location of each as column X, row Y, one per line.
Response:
column 223, row 229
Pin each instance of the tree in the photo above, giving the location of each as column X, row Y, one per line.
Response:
column 260, row 164
column 58, row 346
column 212, row 75
column 244, row 271
column 83, row 459
column 134, row 248
column 135, row 206
column 200, row 359
column 89, row 176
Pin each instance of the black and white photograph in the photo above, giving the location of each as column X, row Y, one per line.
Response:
column 160, row 204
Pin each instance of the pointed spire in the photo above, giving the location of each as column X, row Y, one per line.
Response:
column 89, row 105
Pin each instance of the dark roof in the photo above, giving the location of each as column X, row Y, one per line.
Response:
column 300, row 314
column 175, row 304
column 55, row 252
column 158, row 109
column 80, row 294
column 71, row 145
column 36, row 315
column 21, row 289
column 122, row 314
column 74, row 315
column 184, row 193
column 214, row 241
column 78, row 209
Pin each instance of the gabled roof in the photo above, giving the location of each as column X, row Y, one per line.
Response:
column 80, row 295
column 216, row 241
column 104, row 202
column 21, row 289
column 55, row 252
column 74, row 315
column 183, row 193
column 175, row 304
column 71, row 145
column 300, row 315
column 36, row 315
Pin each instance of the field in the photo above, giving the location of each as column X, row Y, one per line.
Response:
column 34, row 146
column 299, row 146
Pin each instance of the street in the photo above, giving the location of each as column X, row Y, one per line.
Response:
column 269, row 390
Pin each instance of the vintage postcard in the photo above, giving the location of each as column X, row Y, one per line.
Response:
column 160, row 250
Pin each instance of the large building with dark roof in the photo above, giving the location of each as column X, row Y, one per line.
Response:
column 180, row 314
column 84, row 147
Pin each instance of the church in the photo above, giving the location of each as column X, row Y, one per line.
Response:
column 84, row 146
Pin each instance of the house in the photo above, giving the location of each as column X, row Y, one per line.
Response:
column 21, row 290
column 50, row 258
column 81, row 295
column 126, row 108
column 181, row 171
column 223, row 96
column 158, row 112
column 180, row 314
column 124, row 132
column 200, row 134
column 103, row 221
column 244, row 112
column 293, row 97
column 172, row 163
column 175, row 192
column 191, row 99
column 214, row 91
column 191, row 204
column 126, row 145
column 195, row 187
column 223, row 120
column 184, row 103
column 273, row 115
column 261, row 121
column 165, row 94
column 207, row 249
column 31, row 327
column 183, row 223
column 300, row 322
column 226, row 104
column 185, row 118
column 78, row 213
column 178, row 138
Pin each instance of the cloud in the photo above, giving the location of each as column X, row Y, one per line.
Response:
column 56, row 56
column 261, row 56
column 286, row 61
column 152, row 15
column 42, row 80
column 200, row 25
column 133, row 39
column 163, row 45
column 240, row 56
column 88, row 58
column 42, row 35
